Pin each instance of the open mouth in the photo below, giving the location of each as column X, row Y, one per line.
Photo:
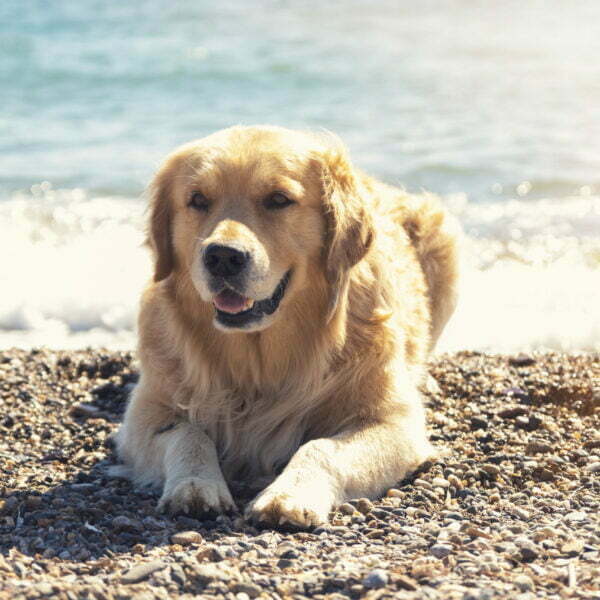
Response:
column 235, row 310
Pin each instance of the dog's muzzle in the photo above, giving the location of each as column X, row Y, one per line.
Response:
column 234, row 310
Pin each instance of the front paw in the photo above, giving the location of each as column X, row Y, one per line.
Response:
column 304, row 507
column 195, row 495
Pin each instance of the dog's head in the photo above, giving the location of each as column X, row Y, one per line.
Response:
column 251, row 214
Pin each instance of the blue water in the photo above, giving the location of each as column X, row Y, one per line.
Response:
column 493, row 105
column 454, row 96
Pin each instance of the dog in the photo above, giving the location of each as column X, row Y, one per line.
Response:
column 285, row 334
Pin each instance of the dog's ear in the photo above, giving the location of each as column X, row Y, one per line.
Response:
column 159, row 233
column 349, row 227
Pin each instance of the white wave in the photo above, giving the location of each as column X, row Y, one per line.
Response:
column 73, row 268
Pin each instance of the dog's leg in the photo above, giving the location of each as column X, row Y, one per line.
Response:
column 328, row 471
column 160, row 447
column 193, row 478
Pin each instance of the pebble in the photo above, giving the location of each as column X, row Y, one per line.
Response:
column 572, row 547
column 364, row 505
column 376, row 579
column 346, row 508
column 440, row 482
column 544, row 533
column 478, row 423
column 85, row 410
column 592, row 468
column 208, row 572
column 522, row 360
column 491, row 469
column 287, row 550
column 143, row 571
column 406, row 583
column 512, row 412
column 185, row 538
column 576, row 516
column 441, row 550
column 537, row 447
column 524, row 583
column 422, row 483
column 528, row 550
column 123, row 523
column 521, row 513
column 250, row 589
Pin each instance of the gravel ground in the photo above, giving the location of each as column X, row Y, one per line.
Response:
column 512, row 511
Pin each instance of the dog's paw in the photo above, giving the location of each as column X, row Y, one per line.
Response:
column 195, row 495
column 301, row 507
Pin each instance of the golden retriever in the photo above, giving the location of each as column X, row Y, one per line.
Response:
column 286, row 331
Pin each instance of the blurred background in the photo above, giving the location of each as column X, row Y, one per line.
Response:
column 493, row 105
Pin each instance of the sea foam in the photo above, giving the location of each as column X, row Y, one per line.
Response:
column 73, row 268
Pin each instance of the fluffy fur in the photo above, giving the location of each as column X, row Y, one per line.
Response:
column 322, row 397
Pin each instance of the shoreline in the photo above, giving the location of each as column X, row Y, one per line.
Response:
column 513, row 510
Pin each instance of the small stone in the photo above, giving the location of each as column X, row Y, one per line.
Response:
column 491, row 470
column 364, row 505
column 478, row 423
column 286, row 550
column 572, row 547
column 185, row 538
column 522, row 360
column 530, row 423
column 406, row 583
column 284, row 563
column 528, row 550
column 8, row 505
column 542, row 474
column 376, row 579
column 454, row 481
column 208, row 572
column 537, row 447
column 45, row 589
column 251, row 589
column 524, row 583
column 521, row 513
column 511, row 412
column 84, row 410
column 422, row 483
column 476, row 532
column 33, row 502
column 544, row 533
column 441, row 550
column 346, row 508
column 576, row 516
column 394, row 493
column 593, row 468
column 141, row 572
column 440, row 482
column 123, row 523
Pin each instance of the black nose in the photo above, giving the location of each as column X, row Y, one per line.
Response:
column 224, row 261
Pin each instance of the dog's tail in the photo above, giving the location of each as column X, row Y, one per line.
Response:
column 435, row 235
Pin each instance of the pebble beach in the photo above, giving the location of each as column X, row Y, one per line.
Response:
column 510, row 510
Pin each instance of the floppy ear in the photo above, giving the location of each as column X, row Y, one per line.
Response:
column 159, row 235
column 349, row 228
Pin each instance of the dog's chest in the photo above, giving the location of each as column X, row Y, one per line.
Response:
column 256, row 436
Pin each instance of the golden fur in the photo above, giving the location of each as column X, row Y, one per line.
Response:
column 322, row 397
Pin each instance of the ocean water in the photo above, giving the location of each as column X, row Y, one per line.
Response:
column 493, row 105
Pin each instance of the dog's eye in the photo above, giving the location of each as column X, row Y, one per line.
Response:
column 199, row 201
column 277, row 200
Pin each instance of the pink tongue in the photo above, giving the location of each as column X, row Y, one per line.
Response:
column 230, row 302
